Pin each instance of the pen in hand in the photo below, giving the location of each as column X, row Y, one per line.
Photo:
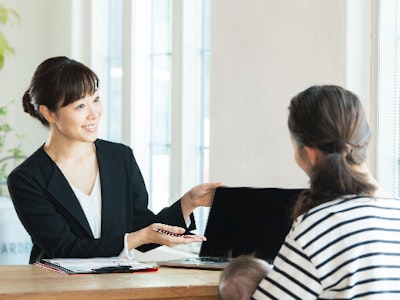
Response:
column 169, row 233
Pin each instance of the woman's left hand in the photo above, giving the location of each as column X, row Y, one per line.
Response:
column 200, row 195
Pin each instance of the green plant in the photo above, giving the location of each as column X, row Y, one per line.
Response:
column 6, row 15
column 13, row 154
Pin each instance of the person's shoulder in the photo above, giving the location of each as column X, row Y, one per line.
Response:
column 318, row 213
column 36, row 165
column 108, row 150
column 338, row 208
column 388, row 202
column 39, row 157
column 105, row 145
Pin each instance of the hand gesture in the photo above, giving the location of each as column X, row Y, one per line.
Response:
column 161, row 234
column 171, row 235
column 201, row 195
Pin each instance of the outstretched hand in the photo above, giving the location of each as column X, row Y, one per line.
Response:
column 162, row 234
column 170, row 235
column 200, row 195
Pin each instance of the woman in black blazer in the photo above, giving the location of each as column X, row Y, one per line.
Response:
column 79, row 196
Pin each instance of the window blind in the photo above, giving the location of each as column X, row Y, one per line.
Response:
column 388, row 103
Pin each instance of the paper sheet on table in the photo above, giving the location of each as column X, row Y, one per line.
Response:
column 93, row 265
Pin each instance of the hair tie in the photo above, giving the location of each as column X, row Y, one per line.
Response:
column 347, row 148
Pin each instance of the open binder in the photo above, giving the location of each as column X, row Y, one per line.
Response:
column 98, row 265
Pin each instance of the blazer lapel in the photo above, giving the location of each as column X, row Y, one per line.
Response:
column 112, row 210
column 61, row 191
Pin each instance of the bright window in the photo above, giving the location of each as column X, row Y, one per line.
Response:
column 153, row 60
column 388, row 160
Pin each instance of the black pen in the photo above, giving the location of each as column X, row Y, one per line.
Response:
column 166, row 232
column 113, row 269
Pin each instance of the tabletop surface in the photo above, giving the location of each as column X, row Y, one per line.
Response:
column 34, row 282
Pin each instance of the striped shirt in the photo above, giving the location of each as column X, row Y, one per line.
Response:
column 348, row 248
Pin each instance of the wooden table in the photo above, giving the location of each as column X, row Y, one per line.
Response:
column 33, row 282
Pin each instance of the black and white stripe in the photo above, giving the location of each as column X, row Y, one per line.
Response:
column 343, row 249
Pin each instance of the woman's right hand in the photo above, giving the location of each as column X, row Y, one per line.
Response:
column 161, row 234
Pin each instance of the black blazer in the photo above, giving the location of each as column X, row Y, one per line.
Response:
column 52, row 215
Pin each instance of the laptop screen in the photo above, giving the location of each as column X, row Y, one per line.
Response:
column 245, row 220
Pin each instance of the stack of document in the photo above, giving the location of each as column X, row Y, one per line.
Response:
column 97, row 265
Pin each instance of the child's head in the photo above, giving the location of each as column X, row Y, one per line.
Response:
column 240, row 277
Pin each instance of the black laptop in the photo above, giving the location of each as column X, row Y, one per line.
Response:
column 243, row 220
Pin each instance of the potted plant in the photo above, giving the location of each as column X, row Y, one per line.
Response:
column 12, row 155
column 15, row 243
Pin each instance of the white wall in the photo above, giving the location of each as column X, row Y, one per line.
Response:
column 262, row 54
column 44, row 30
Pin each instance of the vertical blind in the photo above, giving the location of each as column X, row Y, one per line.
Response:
column 388, row 160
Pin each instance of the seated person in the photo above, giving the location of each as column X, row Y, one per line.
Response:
column 82, row 196
column 344, row 242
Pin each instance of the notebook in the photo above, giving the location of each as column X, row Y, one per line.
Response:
column 243, row 220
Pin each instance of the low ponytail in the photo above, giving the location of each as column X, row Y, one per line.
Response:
column 331, row 120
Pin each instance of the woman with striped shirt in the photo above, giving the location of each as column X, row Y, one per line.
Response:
column 345, row 239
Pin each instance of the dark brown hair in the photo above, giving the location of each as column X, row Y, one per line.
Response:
column 58, row 82
column 332, row 120
column 241, row 276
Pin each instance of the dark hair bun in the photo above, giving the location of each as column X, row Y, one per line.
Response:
column 30, row 108
column 27, row 105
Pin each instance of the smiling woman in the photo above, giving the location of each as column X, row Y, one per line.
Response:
column 80, row 196
column 75, row 123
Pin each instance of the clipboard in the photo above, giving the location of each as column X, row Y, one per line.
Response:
column 98, row 265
